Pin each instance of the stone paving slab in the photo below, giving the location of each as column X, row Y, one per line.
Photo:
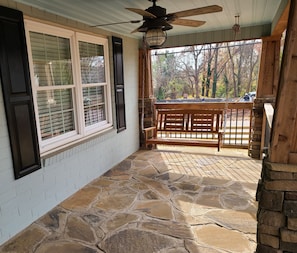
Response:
column 155, row 202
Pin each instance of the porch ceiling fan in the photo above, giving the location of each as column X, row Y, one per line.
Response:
column 156, row 17
column 156, row 21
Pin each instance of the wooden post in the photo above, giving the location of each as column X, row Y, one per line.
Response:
column 284, row 129
column 268, row 79
column 269, row 67
column 145, row 74
column 266, row 90
column 145, row 93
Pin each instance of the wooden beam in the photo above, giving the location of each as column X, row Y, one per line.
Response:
column 281, row 24
column 145, row 74
column 284, row 130
column 269, row 67
column 272, row 38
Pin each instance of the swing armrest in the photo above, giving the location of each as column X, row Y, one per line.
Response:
column 150, row 129
column 147, row 136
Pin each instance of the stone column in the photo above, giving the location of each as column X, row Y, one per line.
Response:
column 255, row 147
column 146, row 116
column 277, row 211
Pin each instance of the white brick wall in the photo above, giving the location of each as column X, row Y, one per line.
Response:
column 24, row 200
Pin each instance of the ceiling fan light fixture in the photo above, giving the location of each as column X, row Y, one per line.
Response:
column 236, row 26
column 155, row 38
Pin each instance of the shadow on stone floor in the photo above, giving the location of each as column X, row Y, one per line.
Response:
column 155, row 201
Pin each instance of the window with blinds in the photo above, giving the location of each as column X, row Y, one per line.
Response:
column 91, row 63
column 71, row 87
column 94, row 108
column 52, row 70
column 92, row 68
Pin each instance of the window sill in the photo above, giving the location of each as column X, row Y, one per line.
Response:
column 62, row 148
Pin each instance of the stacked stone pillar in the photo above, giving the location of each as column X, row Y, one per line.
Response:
column 146, row 116
column 258, row 108
column 277, row 212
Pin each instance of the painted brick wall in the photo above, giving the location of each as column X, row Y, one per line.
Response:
column 23, row 201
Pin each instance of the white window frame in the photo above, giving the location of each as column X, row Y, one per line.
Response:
column 81, row 131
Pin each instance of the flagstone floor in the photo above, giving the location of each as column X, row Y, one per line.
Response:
column 168, row 200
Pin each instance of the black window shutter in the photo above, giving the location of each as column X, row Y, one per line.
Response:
column 17, row 94
column 119, row 86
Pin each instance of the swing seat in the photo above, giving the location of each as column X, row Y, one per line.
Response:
column 187, row 128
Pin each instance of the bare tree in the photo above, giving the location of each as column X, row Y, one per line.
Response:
column 221, row 69
column 253, row 56
column 192, row 67
column 208, row 56
column 232, row 69
column 165, row 72
column 215, row 71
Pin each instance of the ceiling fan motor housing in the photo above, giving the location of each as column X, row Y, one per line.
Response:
column 154, row 23
column 158, row 11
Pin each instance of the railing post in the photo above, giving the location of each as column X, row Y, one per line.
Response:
column 266, row 127
column 264, row 122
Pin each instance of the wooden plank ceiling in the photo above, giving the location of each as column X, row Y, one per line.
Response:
column 252, row 13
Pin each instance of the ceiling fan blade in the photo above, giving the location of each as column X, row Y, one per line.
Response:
column 187, row 22
column 197, row 11
column 118, row 23
column 135, row 30
column 142, row 12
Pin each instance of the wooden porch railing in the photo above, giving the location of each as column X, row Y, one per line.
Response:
column 237, row 119
column 266, row 127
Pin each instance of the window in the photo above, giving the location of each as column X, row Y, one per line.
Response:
column 71, row 87
column 92, row 74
